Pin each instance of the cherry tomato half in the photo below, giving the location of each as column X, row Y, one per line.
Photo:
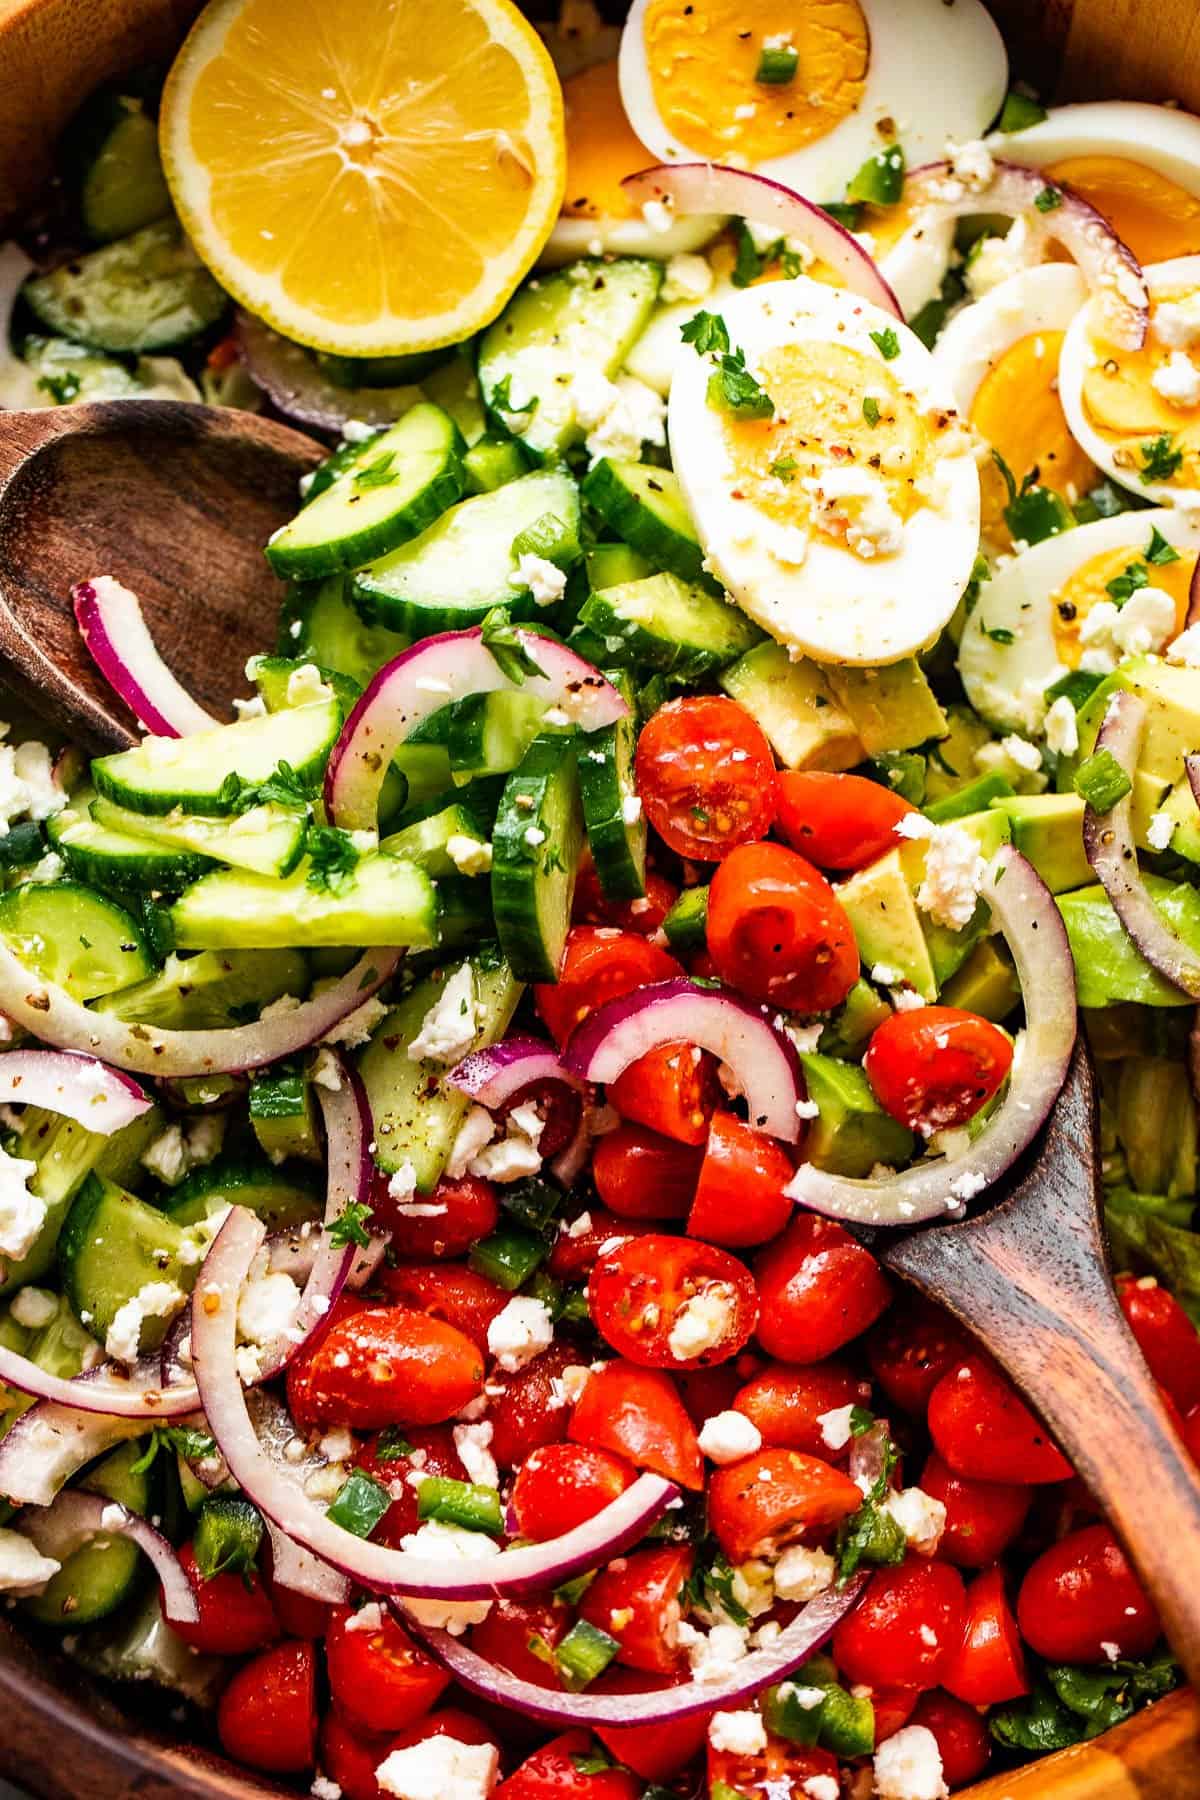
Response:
column 469, row 1211
column 637, row 1414
column 350, row 1758
column 778, row 933
column 448, row 1291
column 759, row 1505
column 672, row 1303
column 1166, row 1336
column 1081, row 1595
column 505, row 1637
column 560, row 1486
column 599, row 964
column 591, row 905
column 236, row 1615
column 672, row 1090
column 531, row 1407
column 655, row 1752
column 706, row 776
column 980, row 1426
column 267, row 1716
column 787, row 1404
column 781, row 1768
column 739, row 1199
column 636, row 1599
column 839, row 822
column 561, row 1770
column 641, row 1175
column 936, row 1067
column 911, row 1348
column 905, row 1629
column 817, row 1289
column 382, row 1366
column 380, row 1679
column 982, row 1517
column 963, row 1739
column 436, row 1455
column 988, row 1666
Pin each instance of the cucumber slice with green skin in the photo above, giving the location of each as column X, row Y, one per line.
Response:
column 645, row 506
column 666, row 624
column 426, row 842
column 405, row 478
column 586, row 316
column 416, row 1111
column 101, row 1575
column 283, row 1116
column 383, row 900
column 687, row 922
column 488, row 734
column 110, row 151
column 612, row 812
column 612, row 565
column 203, row 773
column 279, row 1200
column 267, row 840
column 67, row 372
column 284, row 681
column 148, row 291
column 319, row 624
column 464, row 912
column 535, row 854
column 493, row 462
column 24, row 844
column 454, row 574
column 114, row 859
column 70, row 934
column 212, row 990
column 454, row 386
column 142, row 1647
column 111, row 1246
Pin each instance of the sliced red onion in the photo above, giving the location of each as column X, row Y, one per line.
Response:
column 79, row 1087
column 810, row 1628
column 1109, row 847
column 761, row 1058
column 48, row 1444
column 1111, row 270
column 112, row 626
column 420, row 681
column 76, row 1517
column 303, row 1573
column 701, row 187
column 495, row 1076
column 521, row 1570
column 295, row 382
column 49, row 1012
column 868, row 1459
column 572, row 1159
column 1023, row 911
column 110, row 1389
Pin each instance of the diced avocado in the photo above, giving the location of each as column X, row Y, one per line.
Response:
column 986, row 984
column 1172, row 697
column 949, row 949
column 892, row 708
column 1108, row 966
column 806, row 727
column 1180, row 807
column 952, row 764
column 851, row 1132
column 887, row 926
column 1048, row 829
column 862, row 1011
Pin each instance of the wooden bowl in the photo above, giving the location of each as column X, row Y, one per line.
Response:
column 63, row 1737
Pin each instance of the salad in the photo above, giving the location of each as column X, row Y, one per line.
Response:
column 734, row 722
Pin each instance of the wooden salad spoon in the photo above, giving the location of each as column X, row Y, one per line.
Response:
column 174, row 500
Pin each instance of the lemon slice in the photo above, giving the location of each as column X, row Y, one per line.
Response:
column 370, row 176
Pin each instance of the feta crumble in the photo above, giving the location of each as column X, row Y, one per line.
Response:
column 728, row 1436
column 1177, row 380
column 545, row 581
column 470, row 856
column 473, row 1443
column 22, row 1214
column 852, row 503
column 23, row 1568
column 447, row 1544
column 520, row 1332
column 740, row 1733
column 153, row 1300
column 908, row 1766
column 440, row 1768
column 448, row 1028
column 954, row 870
column 1160, row 831
column 701, row 1322
column 1062, row 727
column 801, row 1574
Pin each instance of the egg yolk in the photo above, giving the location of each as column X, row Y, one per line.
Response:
column 1017, row 411
column 1156, row 217
column 703, row 56
column 601, row 147
column 1126, row 406
column 1088, row 585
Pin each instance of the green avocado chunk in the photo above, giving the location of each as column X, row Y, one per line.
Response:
column 852, row 1132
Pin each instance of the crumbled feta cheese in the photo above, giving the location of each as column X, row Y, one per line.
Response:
column 753, row 1587
column 802, row 1574
column 326, row 1071
column 635, row 416
column 545, row 581
column 1062, row 727
column 154, row 1300
column 1015, row 758
column 534, row 836
column 578, row 1227
column 357, row 431
column 470, row 856
column 445, row 1544
column 1186, row 648
column 701, row 1322
column 1145, row 622
column 1177, row 380
column 853, row 503
column 472, row 1443
column 972, row 163
column 476, row 1130
column 920, row 1517
column 22, row 1214
column 520, row 1332
column 33, row 767
column 1176, row 323
column 337, row 1446
column 658, row 215
column 23, row 1568
column 448, row 1028
column 367, row 1618
column 954, row 870
column 631, row 809
column 34, row 1307
column 712, row 1655
column 997, row 259
column 1160, row 831
column 181, row 1148
column 908, row 1766
column 306, row 686
column 356, row 1028
column 440, row 1768
column 516, row 1154
column 820, row 1787
column 267, row 1307
column 836, row 1427
column 728, row 1436
column 321, row 1788
column 686, row 277
column 740, row 1733
column 253, row 708
column 403, row 1184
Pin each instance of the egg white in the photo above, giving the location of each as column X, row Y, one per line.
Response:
column 975, row 340
column 572, row 238
column 1159, row 137
column 819, row 597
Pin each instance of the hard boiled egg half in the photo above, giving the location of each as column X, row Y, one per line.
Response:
column 841, row 507
column 807, row 90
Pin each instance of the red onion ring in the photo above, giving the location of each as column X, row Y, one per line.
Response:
column 107, row 1389
column 497, row 1074
column 74, row 1517
column 420, row 681
column 46, row 1446
column 1109, row 847
column 214, row 1336
column 301, row 1572
column 1024, row 912
column 111, row 624
column 294, row 381
column 669, row 1012
column 810, row 1628
column 702, row 187
column 1111, row 270
column 79, row 1087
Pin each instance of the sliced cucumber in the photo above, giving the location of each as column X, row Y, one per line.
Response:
column 23, row 844
column 140, row 1646
column 464, row 565
column 70, row 934
column 397, row 485
column 535, row 854
column 416, row 1112
column 111, row 150
column 427, row 842
column 66, row 372
column 612, row 812
column 99, row 1576
column 94, row 853
column 283, row 1116
column 493, row 462
column 464, row 912
column 585, row 317
column 612, row 565
column 454, row 386
column 645, row 506
column 383, row 900
column 666, row 624
column 208, row 772
column 267, row 840
column 148, row 291
column 488, row 734
column 320, row 625
column 211, row 990
column 284, row 681
column 111, row 1246
column 279, row 1200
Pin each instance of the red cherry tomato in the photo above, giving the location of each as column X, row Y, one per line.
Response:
column 706, row 776
column 299, row 1616
column 936, row 1067
column 963, row 1740
column 563, row 1485
column 380, row 1679
column 591, row 906
column 1082, row 1594
column 1191, row 1434
column 672, row 1090
column 787, row 1404
column 436, row 1455
column 640, row 1175
column 558, row 1106
column 817, row 1290
column 778, row 933
column 447, row 1291
column 840, row 822
column 449, row 1722
column 532, row 1407
column 599, row 964
column 385, row 1366
column 1166, row 1337
column 505, row 1636
column 671, row 1303
column 988, row 1665
column 267, row 1716
column 349, row 1758
column 637, row 1413
column 559, row 1771
column 470, row 1212
column 780, row 1768
column 739, row 1198
column 982, row 1517
column 759, row 1505
column 911, row 1348
column 236, row 1615
column 905, row 1629
column 574, row 1257
column 894, row 1707
column 982, row 1428
column 707, row 1392
column 636, row 1600
column 655, row 1752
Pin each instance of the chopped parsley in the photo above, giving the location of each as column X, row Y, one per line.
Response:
column 62, row 389
column 1048, row 200
column 332, row 856
column 784, row 469
column 282, row 787
column 705, row 331
column 870, row 409
column 751, row 261
column 880, row 180
column 887, row 343
column 1034, row 513
column 999, row 634
column 1134, row 576
column 1158, row 551
column 391, row 1444
column 191, row 1444
column 380, row 473
column 1161, row 459
column 502, row 398
column 508, row 646
column 733, row 389
column 350, row 1226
